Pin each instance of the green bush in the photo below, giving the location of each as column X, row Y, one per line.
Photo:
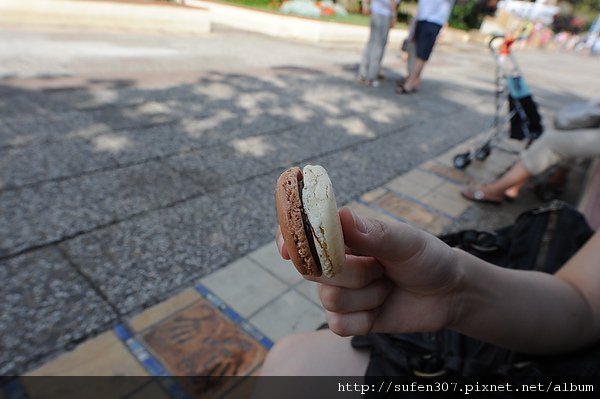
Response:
column 404, row 17
column 466, row 16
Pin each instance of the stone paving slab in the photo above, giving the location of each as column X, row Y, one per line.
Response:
column 141, row 144
column 416, row 183
column 148, row 113
column 103, row 355
column 226, row 125
column 13, row 104
column 288, row 313
column 447, row 173
column 167, row 249
column 368, row 211
column 309, row 290
column 38, row 163
column 447, row 199
column 245, row 284
column 172, row 247
column 63, row 304
column 52, row 211
column 269, row 259
column 161, row 311
column 41, row 127
column 201, row 341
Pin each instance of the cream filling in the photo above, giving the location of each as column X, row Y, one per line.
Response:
column 320, row 207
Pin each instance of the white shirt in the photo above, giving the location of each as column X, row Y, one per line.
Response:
column 436, row 11
column 382, row 7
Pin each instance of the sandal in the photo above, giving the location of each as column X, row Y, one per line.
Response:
column 364, row 82
column 479, row 196
column 403, row 90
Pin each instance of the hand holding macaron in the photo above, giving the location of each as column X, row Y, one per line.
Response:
column 395, row 278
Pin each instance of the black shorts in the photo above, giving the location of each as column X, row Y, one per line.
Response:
column 425, row 34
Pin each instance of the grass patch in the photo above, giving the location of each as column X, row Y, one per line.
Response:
column 355, row 19
column 259, row 4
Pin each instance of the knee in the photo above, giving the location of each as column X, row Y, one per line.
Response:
column 552, row 140
column 278, row 359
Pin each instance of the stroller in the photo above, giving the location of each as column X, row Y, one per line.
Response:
column 525, row 121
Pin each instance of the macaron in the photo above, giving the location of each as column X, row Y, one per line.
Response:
column 309, row 220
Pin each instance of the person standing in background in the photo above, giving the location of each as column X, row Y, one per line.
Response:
column 432, row 15
column 383, row 18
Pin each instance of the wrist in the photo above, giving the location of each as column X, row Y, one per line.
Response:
column 464, row 297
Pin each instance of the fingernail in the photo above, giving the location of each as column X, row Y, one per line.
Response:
column 359, row 223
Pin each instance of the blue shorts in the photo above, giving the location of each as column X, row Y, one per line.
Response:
column 425, row 34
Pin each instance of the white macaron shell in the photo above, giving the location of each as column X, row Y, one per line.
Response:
column 320, row 206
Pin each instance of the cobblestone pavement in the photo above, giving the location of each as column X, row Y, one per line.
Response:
column 133, row 165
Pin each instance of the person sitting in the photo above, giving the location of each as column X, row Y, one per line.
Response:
column 551, row 148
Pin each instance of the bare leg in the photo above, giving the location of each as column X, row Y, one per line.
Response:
column 413, row 81
column 509, row 184
column 514, row 179
column 513, row 191
column 317, row 353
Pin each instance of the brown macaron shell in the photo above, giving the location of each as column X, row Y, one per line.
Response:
column 288, row 202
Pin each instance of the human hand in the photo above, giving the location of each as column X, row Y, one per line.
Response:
column 393, row 21
column 396, row 278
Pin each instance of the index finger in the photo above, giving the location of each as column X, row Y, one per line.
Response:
column 358, row 272
column 283, row 251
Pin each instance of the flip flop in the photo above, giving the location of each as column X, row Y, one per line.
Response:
column 402, row 90
column 479, row 196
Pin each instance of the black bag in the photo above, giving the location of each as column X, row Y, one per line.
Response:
column 541, row 239
column 526, row 122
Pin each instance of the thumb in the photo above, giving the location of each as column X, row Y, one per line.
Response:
column 381, row 240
